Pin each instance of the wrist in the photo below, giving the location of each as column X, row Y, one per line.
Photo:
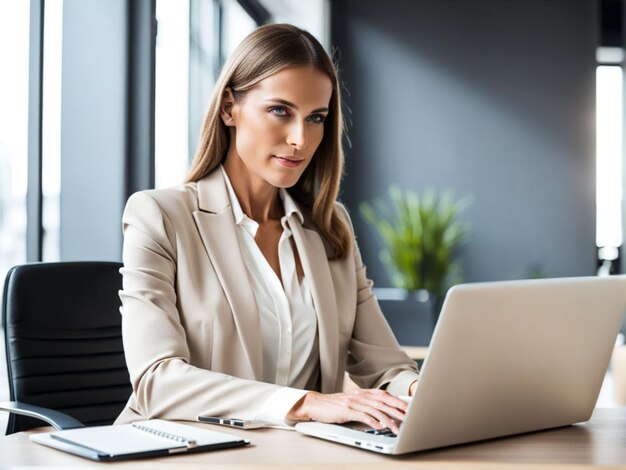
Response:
column 298, row 412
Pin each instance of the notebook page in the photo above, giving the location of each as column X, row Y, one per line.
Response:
column 115, row 440
column 201, row 435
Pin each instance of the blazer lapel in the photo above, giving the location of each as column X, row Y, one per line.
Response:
column 315, row 265
column 216, row 224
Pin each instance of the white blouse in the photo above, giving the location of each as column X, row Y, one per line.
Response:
column 287, row 314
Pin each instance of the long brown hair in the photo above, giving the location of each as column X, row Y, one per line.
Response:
column 266, row 51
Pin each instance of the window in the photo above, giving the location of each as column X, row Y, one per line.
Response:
column 236, row 25
column 609, row 149
column 203, row 63
column 171, row 146
column 51, row 129
column 14, row 30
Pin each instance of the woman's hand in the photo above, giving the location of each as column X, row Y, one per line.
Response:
column 412, row 388
column 374, row 407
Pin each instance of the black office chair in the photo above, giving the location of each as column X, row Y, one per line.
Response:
column 62, row 329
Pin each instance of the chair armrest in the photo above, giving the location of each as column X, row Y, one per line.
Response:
column 57, row 419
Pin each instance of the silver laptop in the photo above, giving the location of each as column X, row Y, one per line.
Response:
column 506, row 358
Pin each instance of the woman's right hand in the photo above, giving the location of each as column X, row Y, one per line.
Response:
column 374, row 407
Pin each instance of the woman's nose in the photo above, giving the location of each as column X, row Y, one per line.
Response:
column 297, row 135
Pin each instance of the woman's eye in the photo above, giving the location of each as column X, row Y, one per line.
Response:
column 317, row 118
column 280, row 111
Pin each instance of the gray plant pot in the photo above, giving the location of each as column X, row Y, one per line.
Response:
column 412, row 315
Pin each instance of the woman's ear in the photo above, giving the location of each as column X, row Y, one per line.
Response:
column 226, row 108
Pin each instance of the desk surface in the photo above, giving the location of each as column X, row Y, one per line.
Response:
column 599, row 442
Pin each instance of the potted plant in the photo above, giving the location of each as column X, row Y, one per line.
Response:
column 420, row 235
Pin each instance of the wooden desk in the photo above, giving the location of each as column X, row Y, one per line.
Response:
column 601, row 441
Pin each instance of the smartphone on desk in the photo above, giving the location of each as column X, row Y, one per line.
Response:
column 241, row 423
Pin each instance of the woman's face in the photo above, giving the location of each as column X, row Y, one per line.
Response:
column 278, row 125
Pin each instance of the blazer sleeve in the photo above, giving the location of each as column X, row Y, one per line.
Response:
column 375, row 359
column 165, row 384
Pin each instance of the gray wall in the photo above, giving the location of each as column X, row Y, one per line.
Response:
column 94, row 136
column 493, row 99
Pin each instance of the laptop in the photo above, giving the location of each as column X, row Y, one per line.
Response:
column 505, row 358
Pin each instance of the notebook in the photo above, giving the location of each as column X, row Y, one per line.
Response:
column 506, row 358
column 137, row 440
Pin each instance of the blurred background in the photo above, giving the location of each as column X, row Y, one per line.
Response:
column 516, row 105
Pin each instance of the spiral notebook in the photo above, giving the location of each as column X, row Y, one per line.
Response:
column 150, row 438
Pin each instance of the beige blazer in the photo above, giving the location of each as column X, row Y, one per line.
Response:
column 190, row 323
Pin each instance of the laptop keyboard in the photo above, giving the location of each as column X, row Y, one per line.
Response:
column 380, row 432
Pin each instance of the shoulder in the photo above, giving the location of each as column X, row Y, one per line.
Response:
column 160, row 214
column 342, row 211
column 168, row 201
column 162, row 211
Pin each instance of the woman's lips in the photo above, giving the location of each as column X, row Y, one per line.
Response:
column 289, row 162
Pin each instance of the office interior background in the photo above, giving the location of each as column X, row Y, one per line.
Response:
column 516, row 104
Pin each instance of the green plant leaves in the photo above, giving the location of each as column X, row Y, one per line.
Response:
column 420, row 234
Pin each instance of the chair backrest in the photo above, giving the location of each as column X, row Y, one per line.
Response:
column 63, row 337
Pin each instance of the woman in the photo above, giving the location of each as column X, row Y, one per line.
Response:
column 244, row 292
